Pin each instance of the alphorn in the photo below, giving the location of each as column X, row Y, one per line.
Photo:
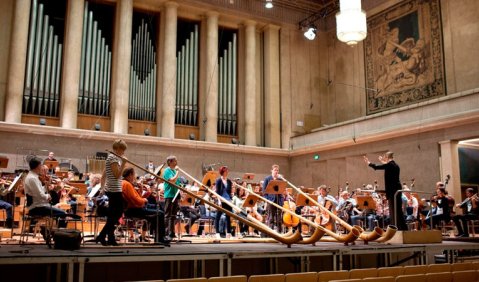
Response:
column 277, row 237
column 347, row 238
column 377, row 233
column 234, row 207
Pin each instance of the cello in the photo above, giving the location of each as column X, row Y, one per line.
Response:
column 288, row 219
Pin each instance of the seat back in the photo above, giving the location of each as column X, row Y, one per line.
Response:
column 202, row 279
column 465, row 275
column 443, row 267
column 380, row 279
column 411, row 278
column 414, row 269
column 301, row 276
column 363, row 273
column 237, row 278
column 325, row 276
column 267, row 278
column 462, row 266
column 390, row 271
column 439, row 277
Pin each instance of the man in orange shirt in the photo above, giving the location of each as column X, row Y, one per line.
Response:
column 137, row 207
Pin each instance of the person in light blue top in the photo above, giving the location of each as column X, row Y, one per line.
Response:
column 171, row 195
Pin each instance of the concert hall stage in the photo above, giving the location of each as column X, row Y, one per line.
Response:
column 92, row 262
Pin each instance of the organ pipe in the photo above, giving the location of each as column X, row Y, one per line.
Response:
column 95, row 68
column 227, row 89
column 142, row 96
column 44, row 57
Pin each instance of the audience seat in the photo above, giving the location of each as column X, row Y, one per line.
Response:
column 325, row 276
column 301, row 276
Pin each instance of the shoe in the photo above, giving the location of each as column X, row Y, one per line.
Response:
column 113, row 243
column 187, row 229
column 9, row 223
column 172, row 235
column 144, row 239
column 167, row 239
column 101, row 240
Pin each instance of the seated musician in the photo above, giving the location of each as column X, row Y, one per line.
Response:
column 329, row 202
column 239, row 195
column 470, row 209
column 345, row 206
column 368, row 215
column 410, row 205
column 441, row 211
column 136, row 206
column 38, row 200
column 6, row 206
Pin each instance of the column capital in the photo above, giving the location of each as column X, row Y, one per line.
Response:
column 212, row 14
column 272, row 27
column 249, row 23
column 171, row 4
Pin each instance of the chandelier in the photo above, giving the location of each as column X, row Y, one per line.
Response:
column 351, row 22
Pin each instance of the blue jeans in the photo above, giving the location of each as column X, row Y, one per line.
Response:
column 7, row 207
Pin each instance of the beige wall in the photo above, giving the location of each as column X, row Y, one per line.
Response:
column 6, row 14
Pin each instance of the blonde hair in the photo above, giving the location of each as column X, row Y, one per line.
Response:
column 119, row 144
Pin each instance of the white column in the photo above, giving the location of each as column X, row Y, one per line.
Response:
column 211, row 73
column 271, row 87
column 250, row 83
column 450, row 166
column 121, row 67
column 16, row 62
column 169, row 71
column 71, row 64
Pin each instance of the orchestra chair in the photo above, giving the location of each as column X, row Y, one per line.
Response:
column 415, row 269
column 324, row 276
column 201, row 279
column 465, row 275
column 208, row 222
column 443, row 267
column 34, row 223
column 460, row 266
column 363, row 273
column 134, row 224
column 236, row 278
column 301, row 276
column 471, row 224
column 390, row 271
column 411, row 278
column 380, row 279
column 439, row 277
column 267, row 278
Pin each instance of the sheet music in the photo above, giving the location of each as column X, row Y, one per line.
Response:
column 94, row 190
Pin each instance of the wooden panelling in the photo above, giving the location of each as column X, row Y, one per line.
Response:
column 31, row 119
column 88, row 122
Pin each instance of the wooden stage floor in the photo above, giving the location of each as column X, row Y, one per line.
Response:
column 93, row 262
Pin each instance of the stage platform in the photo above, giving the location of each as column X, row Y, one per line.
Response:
column 94, row 262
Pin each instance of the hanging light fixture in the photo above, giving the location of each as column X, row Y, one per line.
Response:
column 351, row 22
column 268, row 4
column 310, row 33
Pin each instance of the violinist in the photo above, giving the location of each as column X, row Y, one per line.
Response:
column 441, row 211
column 6, row 206
column 470, row 212
column 38, row 200
column 136, row 206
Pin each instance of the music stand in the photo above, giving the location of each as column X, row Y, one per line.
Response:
column 248, row 176
column 276, row 187
column 3, row 162
column 302, row 201
column 250, row 201
column 51, row 165
column 366, row 202
column 210, row 178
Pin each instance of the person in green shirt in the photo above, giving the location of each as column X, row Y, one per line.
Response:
column 172, row 196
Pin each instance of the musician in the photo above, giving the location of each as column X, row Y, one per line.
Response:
column 471, row 212
column 51, row 157
column 151, row 168
column 172, row 196
column 137, row 207
column 392, row 184
column 38, row 200
column 273, row 214
column 223, row 188
column 410, row 205
column 112, row 178
column 6, row 206
column 441, row 211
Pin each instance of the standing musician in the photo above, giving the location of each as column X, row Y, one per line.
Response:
column 136, row 206
column 112, row 178
column 471, row 212
column 223, row 188
column 392, row 184
column 273, row 214
column 172, row 196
